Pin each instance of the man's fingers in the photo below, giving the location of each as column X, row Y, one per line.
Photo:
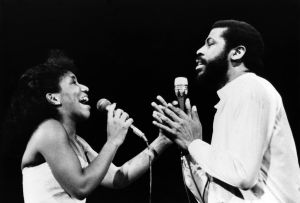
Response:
column 162, row 101
column 154, row 114
column 157, row 107
column 195, row 113
column 166, row 120
column 174, row 103
column 188, row 107
column 172, row 112
column 176, row 111
column 163, row 127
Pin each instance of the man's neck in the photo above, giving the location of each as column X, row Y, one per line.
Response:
column 236, row 71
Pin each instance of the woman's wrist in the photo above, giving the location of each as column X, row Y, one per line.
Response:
column 164, row 139
column 113, row 143
column 151, row 152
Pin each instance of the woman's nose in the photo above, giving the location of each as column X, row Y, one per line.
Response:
column 84, row 88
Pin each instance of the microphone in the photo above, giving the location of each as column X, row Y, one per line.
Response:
column 181, row 90
column 102, row 105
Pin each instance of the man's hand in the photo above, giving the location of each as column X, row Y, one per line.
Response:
column 159, row 109
column 182, row 128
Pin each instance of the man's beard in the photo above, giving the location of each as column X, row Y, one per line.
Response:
column 215, row 73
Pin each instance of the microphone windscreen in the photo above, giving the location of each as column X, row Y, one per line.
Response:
column 181, row 86
column 102, row 104
column 180, row 81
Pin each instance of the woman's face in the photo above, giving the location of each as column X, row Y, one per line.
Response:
column 73, row 98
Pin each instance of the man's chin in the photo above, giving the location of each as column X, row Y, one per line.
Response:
column 208, row 80
column 202, row 76
column 213, row 75
column 200, row 73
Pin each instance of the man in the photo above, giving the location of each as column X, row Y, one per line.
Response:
column 252, row 156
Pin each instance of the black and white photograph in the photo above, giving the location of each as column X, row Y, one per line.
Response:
column 150, row 101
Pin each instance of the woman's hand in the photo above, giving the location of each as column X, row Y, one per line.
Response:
column 118, row 123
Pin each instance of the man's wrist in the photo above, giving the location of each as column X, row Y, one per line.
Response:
column 194, row 144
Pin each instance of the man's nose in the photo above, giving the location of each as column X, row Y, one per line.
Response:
column 200, row 51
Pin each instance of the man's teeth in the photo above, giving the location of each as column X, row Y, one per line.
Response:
column 200, row 68
column 199, row 62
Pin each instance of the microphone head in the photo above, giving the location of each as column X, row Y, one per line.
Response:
column 102, row 104
column 181, row 86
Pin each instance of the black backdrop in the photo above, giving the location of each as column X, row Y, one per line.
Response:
column 129, row 51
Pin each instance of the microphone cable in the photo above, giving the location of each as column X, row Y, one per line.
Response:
column 155, row 154
column 202, row 197
column 150, row 174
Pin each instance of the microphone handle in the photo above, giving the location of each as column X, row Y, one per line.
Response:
column 181, row 101
column 138, row 133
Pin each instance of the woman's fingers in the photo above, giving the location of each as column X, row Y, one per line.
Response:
column 110, row 110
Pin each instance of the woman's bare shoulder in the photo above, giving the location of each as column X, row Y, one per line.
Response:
column 49, row 130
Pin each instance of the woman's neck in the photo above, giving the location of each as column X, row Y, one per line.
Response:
column 70, row 126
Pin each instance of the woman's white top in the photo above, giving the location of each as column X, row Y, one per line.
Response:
column 40, row 186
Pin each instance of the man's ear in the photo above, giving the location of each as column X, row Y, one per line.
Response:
column 53, row 98
column 237, row 53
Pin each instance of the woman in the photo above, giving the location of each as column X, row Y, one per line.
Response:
column 58, row 165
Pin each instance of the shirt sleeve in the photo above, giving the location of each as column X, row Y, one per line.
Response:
column 248, row 121
column 194, row 177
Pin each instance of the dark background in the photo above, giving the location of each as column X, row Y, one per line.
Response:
column 129, row 51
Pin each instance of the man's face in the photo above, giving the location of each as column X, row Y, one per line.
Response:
column 212, row 62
